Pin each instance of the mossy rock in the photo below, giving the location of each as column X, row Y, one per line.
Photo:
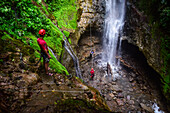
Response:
column 78, row 106
column 32, row 59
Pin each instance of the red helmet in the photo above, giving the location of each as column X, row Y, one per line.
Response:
column 92, row 69
column 42, row 32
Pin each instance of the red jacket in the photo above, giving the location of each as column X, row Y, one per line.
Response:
column 42, row 44
column 92, row 71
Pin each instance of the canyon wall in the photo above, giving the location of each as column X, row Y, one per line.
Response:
column 144, row 30
column 138, row 30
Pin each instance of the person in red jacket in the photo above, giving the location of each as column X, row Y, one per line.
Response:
column 92, row 73
column 44, row 50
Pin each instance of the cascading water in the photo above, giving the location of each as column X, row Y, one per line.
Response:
column 69, row 49
column 114, row 21
column 52, row 53
column 75, row 59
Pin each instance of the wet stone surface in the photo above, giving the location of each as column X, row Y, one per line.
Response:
column 126, row 90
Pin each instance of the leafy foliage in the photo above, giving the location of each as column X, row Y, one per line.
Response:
column 165, row 55
column 22, row 19
column 158, row 11
column 65, row 11
column 165, row 18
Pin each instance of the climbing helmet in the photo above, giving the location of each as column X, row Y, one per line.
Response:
column 42, row 32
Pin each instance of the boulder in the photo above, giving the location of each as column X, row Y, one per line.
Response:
column 115, row 88
column 149, row 109
column 30, row 78
column 119, row 102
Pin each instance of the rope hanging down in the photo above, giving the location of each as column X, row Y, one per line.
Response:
column 91, row 52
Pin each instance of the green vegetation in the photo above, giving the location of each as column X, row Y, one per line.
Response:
column 66, row 33
column 9, row 44
column 65, row 11
column 165, row 55
column 23, row 17
column 21, row 20
column 158, row 12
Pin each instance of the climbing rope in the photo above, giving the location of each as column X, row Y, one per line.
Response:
column 91, row 46
column 91, row 37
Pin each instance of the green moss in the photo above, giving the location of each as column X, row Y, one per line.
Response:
column 45, row 10
column 65, row 12
column 6, row 36
column 66, row 33
column 56, row 66
column 66, row 17
column 54, row 41
column 61, row 56
column 158, row 13
column 69, row 40
column 165, row 56
column 32, row 41
column 37, row 54
column 78, row 105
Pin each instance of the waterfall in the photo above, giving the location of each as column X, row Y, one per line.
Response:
column 75, row 59
column 76, row 62
column 114, row 21
column 52, row 53
column 69, row 49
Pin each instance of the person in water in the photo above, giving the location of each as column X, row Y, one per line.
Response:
column 44, row 50
column 92, row 73
column 109, row 70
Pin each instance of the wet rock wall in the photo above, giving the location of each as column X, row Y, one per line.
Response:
column 137, row 29
column 90, row 17
column 140, row 31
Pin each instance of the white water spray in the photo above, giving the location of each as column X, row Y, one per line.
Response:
column 156, row 108
column 114, row 21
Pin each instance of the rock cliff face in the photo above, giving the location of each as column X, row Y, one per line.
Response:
column 137, row 29
column 91, row 14
column 26, row 88
column 141, row 32
column 138, row 32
